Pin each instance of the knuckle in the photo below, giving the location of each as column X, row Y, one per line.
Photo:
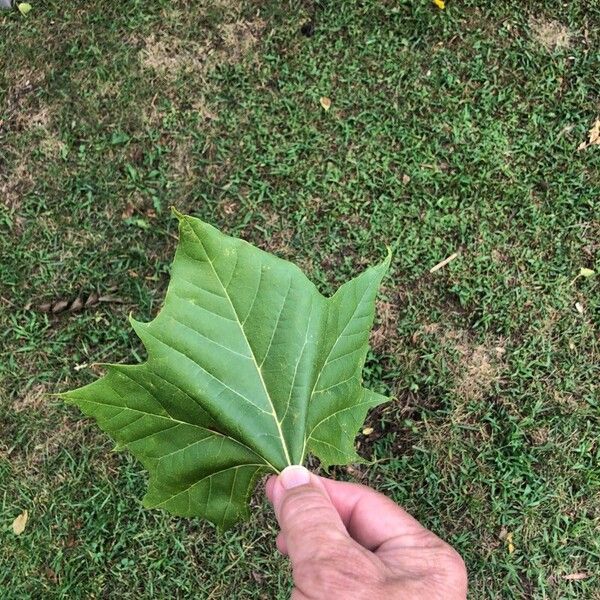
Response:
column 304, row 500
column 451, row 568
column 307, row 510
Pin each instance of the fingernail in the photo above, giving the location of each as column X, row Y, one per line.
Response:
column 294, row 476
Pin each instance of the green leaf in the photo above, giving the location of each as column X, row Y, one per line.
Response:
column 249, row 369
column 584, row 272
column 24, row 8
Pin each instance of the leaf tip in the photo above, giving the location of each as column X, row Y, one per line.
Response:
column 133, row 321
column 179, row 215
column 388, row 259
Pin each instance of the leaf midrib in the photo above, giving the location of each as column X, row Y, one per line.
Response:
column 243, row 332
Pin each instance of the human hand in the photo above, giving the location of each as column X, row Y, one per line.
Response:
column 348, row 542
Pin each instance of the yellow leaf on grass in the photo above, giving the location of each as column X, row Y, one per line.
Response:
column 440, row 4
column 325, row 102
column 509, row 543
column 24, row 7
column 583, row 272
column 367, row 430
column 20, row 522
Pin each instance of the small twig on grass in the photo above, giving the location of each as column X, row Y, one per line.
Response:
column 443, row 263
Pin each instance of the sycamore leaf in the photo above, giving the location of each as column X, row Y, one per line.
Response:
column 249, row 369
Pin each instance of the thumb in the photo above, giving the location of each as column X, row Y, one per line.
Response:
column 310, row 524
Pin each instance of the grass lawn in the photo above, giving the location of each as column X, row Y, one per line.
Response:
column 449, row 131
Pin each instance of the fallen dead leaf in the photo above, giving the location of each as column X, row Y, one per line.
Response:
column 20, row 522
column 325, row 102
column 128, row 211
column 405, row 179
column 59, row 306
column 593, row 137
column 79, row 303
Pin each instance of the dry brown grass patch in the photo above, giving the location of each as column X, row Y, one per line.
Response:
column 34, row 399
column 55, row 431
column 239, row 39
column 16, row 184
column 480, row 369
column 168, row 55
column 51, row 146
column 476, row 367
column 231, row 43
column 181, row 163
column 25, row 113
column 551, row 34
column 279, row 242
column 384, row 335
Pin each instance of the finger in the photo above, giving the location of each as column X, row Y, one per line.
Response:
column 269, row 487
column 370, row 517
column 281, row 545
column 280, row 541
column 310, row 524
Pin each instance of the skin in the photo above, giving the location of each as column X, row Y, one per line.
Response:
column 345, row 540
